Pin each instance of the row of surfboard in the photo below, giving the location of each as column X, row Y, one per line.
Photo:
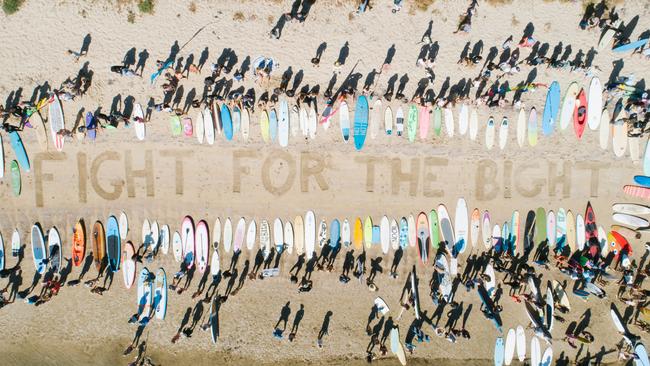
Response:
column 516, row 340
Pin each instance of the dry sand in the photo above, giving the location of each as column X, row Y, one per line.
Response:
column 80, row 328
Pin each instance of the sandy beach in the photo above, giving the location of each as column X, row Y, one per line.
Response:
column 164, row 178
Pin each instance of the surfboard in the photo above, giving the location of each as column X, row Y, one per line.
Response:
column 580, row 232
column 580, row 116
column 113, row 244
column 604, row 129
column 503, row 133
column 41, row 133
column 155, row 235
column 251, row 235
column 631, row 46
column 473, row 124
column 283, row 124
column 299, row 235
column 145, row 290
column 560, row 228
column 486, row 230
column 568, row 105
column 78, row 243
column 245, row 124
column 128, row 265
column 310, row 233
column 547, row 357
column 608, row 34
column 236, row 120
column 437, row 120
column 388, row 121
column 177, row 246
column 461, row 226
column 278, row 235
column 99, row 244
column 489, row 133
column 187, row 238
column 412, row 122
column 199, row 128
column 396, row 346
column 551, row 228
column 446, row 230
column 273, row 125
column 227, row 235
column 403, row 233
column 509, row 350
column 322, row 233
column 335, row 233
column 631, row 208
column 16, row 183
column 265, row 238
column 175, row 125
column 57, row 122
column 399, row 121
column 264, row 125
column 498, row 352
column 521, row 343
column 535, row 356
column 39, row 255
column 551, row 108
column 375, row 119
column 304, row 122
column 216, row 233
column 360, row 122
column 630, row 220
column 367, row 232
column 394, row 234
column 202, row 246
column 434, row 232
column 164, row 239
column 138, row 122
column 595, row 104
column 619, row 137
column 344, row 121
column 215, row 265
column 54, row 248
column 312, row 122
column 449, row 122
column 634, row 148
column 497, row 240
column 463, row 119
column 412, row 231
column 226, row 121
column 240, row 231
column 475, row 226
column 384, row 226
column 514, row 232
column 505, row 235
column 521, row 127
column 532, row 127
column 423, row 122
column 571, row 231
column 642, row 354
column 188, row 129
column 19, row 150
column 357, row 234
column 345, row 233
column 423, row 237
column 208, row 126
column 147, row 240
column 160, row 294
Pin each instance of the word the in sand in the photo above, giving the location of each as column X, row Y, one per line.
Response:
column 111, row 175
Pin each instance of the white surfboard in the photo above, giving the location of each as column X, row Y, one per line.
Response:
column 199, row 127
column 140, row 130
column 388, row 121
column 208, row 126
column 299, row 234
column 568, row 105
column 486, row 230
column 475, row 227
column 630, row 220
column 245, row 124
column 535, row 356
column 399, row 121
column 503, row 133
column 265, row 238
column 394, row 234
column 521, row 127
column 215, row 265
column 177, row 246
column 288, row 236
column 57, row 122
column 227, row 235
column 251, row 235
column 216, row 233
column 294, row 121
column 312, row 123
column 304, row 121
column 619, row 138
column 604, row 129
column 449, row 122
column 594, row 103
column 510, row 346
column 240, row 232
column 489, row 133
column 635, row 148
column 473, row 124
column 344, row 121
column 345, row 233
column 384, row 227
column 463, row 119
column 412, row 232
column 461, row 226
column 164, row 239
column 146, row 233
column 521, row 343
column 236, row 121
column 580, row 232
column 283, row 124
column 187, row 237
column 155, row 235
column 375, row 118
column 322, row 233
column 278, row 235
column 123, row 225
column 310, row 233
column 631, row 208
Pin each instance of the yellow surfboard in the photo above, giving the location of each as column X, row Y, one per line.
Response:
column 367, row 232
column 357, row 234
column 264, row 126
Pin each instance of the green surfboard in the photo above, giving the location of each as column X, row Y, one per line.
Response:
column 540, row 226
column 433, row 231
column 437, row 120
column 175, row 124
column 15, row 178
column 412, row 122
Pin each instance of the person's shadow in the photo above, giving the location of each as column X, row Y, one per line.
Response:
column 284, row 316
column 324, row 329
column 129, row 58
column 296, row 321
column 389, row 55
column 142, row 61
column 85, row 45
column 343, row 54
column 205, row 54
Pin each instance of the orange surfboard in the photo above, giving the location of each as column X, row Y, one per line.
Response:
column 78, row 243
column 357, row 234
column 99, row 244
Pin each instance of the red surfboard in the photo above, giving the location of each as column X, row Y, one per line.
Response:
column 580, row 113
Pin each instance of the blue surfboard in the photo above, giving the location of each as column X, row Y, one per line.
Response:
column 499, row 352
column 113, row 244
column 155, row 75
column 273, row 125
column 631, row 46
column 335, row 233
column 642, row 180
column 226, row 122
column 403, row 233
column 551, row 108
column 376, row 235
column 19, row 150
column 360, row 122
column 91, row 126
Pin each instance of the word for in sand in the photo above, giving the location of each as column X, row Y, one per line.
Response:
column 113, row 175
